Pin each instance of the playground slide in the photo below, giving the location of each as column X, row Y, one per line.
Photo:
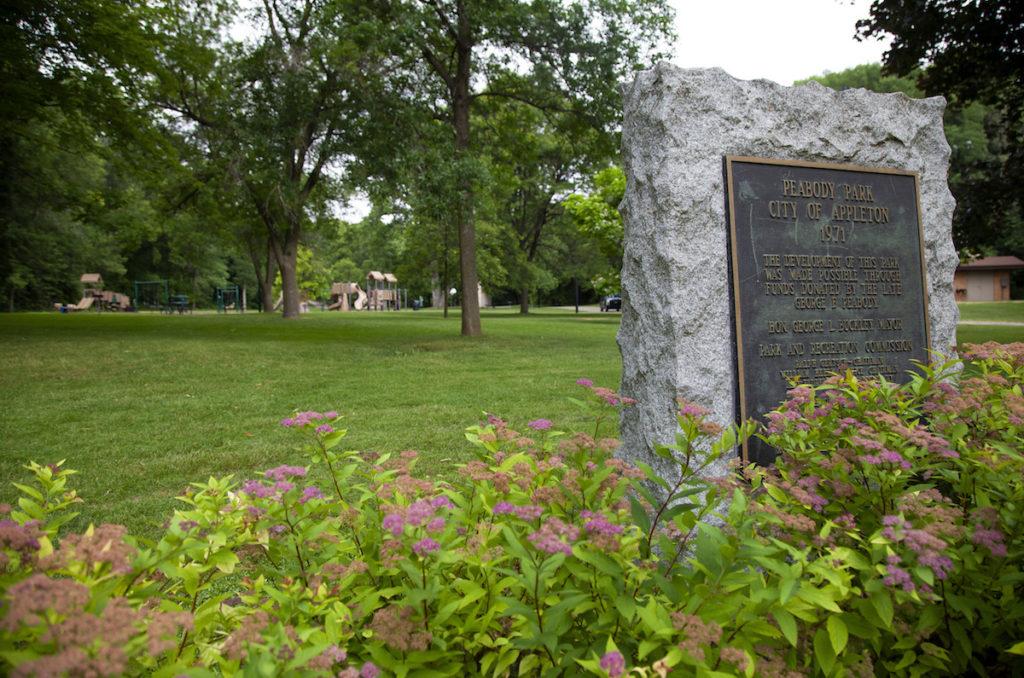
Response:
column 360, row 299
column 84, row 304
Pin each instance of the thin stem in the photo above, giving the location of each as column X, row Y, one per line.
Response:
column 661, row 509
column 423, row 573
column 195, row 600
column 536, row 605
column 295, row 543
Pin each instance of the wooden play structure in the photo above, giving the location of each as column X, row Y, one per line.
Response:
column 96, row 298
column 382, row 292
column 340, row 297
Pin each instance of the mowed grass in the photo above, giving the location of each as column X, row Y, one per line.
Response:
column 142, row 404
column 992, row 311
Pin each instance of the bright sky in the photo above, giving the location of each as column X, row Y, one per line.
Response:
column 781, row 40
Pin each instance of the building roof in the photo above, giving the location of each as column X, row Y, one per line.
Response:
column 992, row 263
column 91, row 278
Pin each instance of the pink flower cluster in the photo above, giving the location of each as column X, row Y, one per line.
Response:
column 257, row 489
column 528, row 512
column 927, row 546
column 613, row 663
column 22, row 539
column 606, row 394
column 554, row 536
column 697, row 632
column 897, row 576
column 602, row 532
column 986, row 519
column 420, row 513
column 540, row 424
column 303, row 419
column 284, row 472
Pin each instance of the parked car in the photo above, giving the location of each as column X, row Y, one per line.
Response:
column 613, row 302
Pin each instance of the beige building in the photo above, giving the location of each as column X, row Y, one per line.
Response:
column 985, row 279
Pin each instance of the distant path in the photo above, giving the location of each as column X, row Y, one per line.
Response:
column 991, row 322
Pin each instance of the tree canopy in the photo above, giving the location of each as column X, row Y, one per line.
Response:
column 973, row 54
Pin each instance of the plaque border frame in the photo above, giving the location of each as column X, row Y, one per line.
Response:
column 734, row 260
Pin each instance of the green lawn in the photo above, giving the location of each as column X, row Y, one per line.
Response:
column 998, row 311
column 143, row 404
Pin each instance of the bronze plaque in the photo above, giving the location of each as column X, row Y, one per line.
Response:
column 827, row 275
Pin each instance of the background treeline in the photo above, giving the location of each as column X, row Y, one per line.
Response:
column 212, row 143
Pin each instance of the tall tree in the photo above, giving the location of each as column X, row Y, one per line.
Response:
column 279, row 111
column 535, row 158
column 553, row 55
column 969, row 52
column 986, row 219
column 597, row 218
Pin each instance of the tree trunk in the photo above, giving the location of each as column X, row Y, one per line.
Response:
column 265, row 269
column 287, row 261
column 524, row 300
column 266, row 282
column 444, row 276
column 464, row 211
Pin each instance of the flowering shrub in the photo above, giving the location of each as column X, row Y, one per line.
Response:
column 912, row 498
column 887, row 539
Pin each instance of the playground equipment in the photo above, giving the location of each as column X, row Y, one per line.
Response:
column 179, row 303
column 95, row 297
column 340, row 293
column 303, row 303
column 230, row 298
column 151, row 294
column 382, row 292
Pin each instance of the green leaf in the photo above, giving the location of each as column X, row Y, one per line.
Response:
column 224, row 560
column 823, row 650
column 29, row 490
column 820, row 597
column 787, row 624
column 640, row 516
column 787, row 588
column 882, row 604
column 1018, row 648
column 837, row 633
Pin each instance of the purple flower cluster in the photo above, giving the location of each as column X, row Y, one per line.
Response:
column 425, row 546
column 24, row 539
column 303, row 419
column 554, row 536
column 897, row 576
column 602, row 532
column 420, row 513
column 613, row 663
column 990, row 539
column 528, row 512
column 927, row 547
column 309, row 493
column 688, row 409
column 259, row 490
column 540, row 424
column 606, row 394
column 886, row 457
column 284, row 472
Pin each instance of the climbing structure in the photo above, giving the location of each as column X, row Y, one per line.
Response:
column 340, row 293
column 382, row 291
